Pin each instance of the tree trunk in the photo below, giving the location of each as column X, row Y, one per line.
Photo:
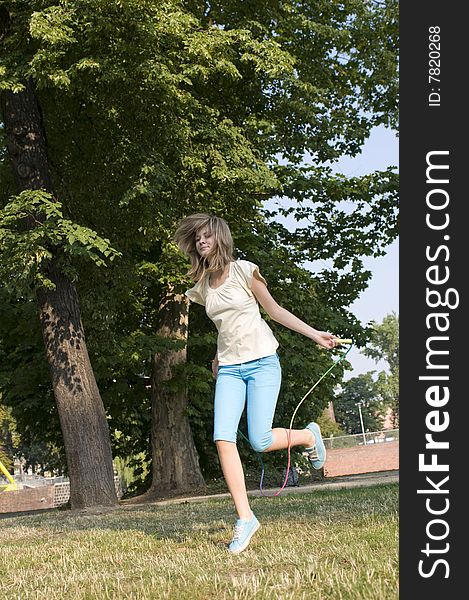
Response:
column 175, row 462
column 81, row 411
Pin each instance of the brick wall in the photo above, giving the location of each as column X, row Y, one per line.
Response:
column 27, row 499
column 45, row 496
column 362, row 459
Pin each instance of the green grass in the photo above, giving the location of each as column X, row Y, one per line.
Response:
column 328, row 544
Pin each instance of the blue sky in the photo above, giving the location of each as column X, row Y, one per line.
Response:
column 381, row 298
column 382, row 295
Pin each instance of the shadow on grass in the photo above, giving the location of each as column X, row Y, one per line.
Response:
column 181, row 521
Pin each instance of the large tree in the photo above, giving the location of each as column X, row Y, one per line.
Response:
column 156, row 109
column 111, row 83
column 81, row 411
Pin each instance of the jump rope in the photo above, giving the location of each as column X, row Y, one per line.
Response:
column 342, row 342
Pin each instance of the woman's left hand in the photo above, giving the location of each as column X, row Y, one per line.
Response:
column 325, row 339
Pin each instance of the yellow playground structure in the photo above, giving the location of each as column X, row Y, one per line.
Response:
column 11, row 485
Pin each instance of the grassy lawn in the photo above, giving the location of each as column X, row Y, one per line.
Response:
column 338, row 544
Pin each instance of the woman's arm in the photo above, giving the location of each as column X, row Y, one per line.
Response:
column 215, row 366
column 286, row 318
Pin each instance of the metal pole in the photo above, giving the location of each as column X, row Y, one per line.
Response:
column 359, row 404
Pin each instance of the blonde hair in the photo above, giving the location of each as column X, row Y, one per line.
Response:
column 219, row 256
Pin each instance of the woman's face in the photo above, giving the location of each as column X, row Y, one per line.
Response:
column 204, row 241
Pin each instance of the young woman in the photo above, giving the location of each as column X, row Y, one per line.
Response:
column 246, row 365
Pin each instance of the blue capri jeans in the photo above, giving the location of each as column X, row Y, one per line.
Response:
column 256, row 382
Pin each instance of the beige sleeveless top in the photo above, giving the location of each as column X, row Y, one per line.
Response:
column 243, row 335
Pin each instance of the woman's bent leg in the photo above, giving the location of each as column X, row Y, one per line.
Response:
column 298, row 437
column 263, row 388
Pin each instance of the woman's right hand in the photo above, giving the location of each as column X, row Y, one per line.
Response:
column 325, row 339
column 215, row 367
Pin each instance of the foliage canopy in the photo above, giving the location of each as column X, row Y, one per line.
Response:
column 154, row 110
